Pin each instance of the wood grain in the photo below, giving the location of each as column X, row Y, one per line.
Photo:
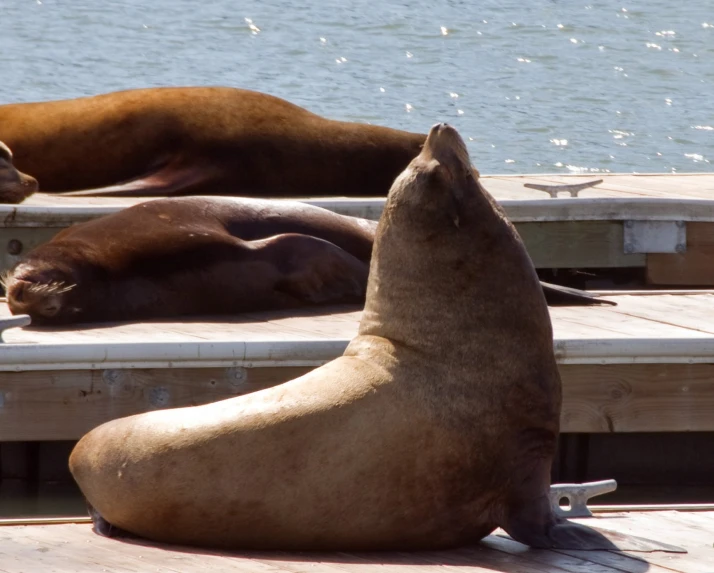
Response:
column 695, row 267
column 64, row 405
column 637, row 397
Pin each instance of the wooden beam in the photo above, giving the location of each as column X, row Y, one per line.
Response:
column 577, row 244
column 64, row 405
column 637, row 398
column 695, row 267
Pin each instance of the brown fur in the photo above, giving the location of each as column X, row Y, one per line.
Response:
column 193, row 255
column 15, row 186
column 438, row 424
column 200, row 141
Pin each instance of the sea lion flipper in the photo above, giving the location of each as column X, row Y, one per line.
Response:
column 103, row 527
column 317, row 271
column 557, row 295
column 535, row 525
column 171, row 179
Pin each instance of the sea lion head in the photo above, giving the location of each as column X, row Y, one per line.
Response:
column 445, row 257
column 48, row 287
column 15, row 186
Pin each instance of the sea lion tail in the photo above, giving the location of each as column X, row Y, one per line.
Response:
column 557, row 295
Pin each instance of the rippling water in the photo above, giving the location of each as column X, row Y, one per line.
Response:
column 538, row 86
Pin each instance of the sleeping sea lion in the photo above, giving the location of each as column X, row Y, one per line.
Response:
column 200, row 141
column 437, row 425
column 15, row 186
column 201, row 255
column 193, row 255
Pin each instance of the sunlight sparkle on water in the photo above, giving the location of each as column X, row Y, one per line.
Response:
column 253, row 28
column 696, row 157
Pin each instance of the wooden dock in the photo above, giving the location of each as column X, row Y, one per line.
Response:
column 610, row 225
column 64, row 548
column 642, row 366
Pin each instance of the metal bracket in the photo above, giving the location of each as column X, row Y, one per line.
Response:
column 12, row 322
column 553, row 190
column 577, row 495
column 655, row 237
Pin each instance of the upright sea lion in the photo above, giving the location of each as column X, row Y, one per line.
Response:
column 200, row 141
column 15, row 186
column 193, row 255
column 201, row 255
column 438, row 424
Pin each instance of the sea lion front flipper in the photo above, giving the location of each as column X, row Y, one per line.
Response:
column 316, row 271
column 535, row 525
column 557, row 295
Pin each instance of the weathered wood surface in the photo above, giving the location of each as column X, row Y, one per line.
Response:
column 645, row 365
column 75, row 548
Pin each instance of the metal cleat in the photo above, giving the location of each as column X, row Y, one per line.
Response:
column 12, row 322
column 553, row 190
column 577, row 496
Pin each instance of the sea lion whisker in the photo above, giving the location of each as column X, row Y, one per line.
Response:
column 53, row 287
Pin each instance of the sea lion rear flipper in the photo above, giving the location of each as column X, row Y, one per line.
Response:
column 103, row 527
column 535, row 525
column 170, row 179
column 557, row 295
column 316, row 271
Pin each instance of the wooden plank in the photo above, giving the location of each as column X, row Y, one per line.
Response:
column 577, row 244
column 658, row 526
column 622, row 321
column 691, row 312
column 637, row 397
column 476, row 559
column 548, row 558
column 695, row 267
column 64, row 405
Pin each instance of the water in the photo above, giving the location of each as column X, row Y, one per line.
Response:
column 539, row 86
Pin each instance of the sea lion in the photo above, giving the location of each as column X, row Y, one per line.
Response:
column 437, row 425
column 205, row 255
column 15, row 186
column 193, row 255
column 200, row 141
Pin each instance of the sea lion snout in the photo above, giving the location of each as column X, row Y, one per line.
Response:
column 444, row 144
column 15, row 186
column 41, row 295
